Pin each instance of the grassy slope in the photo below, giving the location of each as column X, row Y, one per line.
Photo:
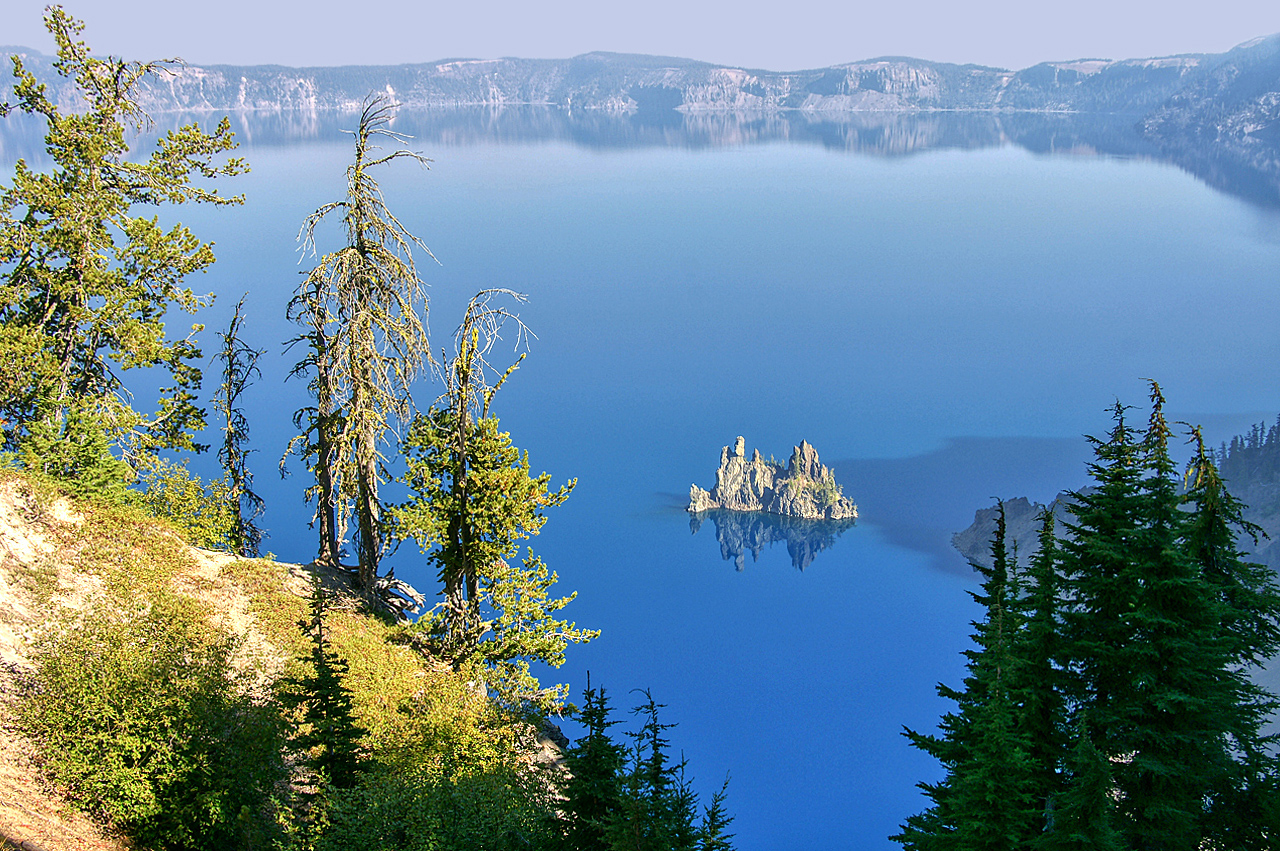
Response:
column 57, row 557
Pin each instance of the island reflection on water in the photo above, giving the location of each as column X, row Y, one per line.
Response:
column 742, row 532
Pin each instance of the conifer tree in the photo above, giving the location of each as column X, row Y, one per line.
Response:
column 239, row 367
column 1248, row 604
column 364, row 308
column 87, row 283
column 592, row 793
column 1037, row 677
column 1153, row 682
column 321, row 423
column 1084, row 816
column 712, row 832
column 657, row 808
column 1177, row 709
column 329, row 736
column 987, row 798
column 473, row 502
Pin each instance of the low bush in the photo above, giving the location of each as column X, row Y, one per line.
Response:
column 203, row 512
column 141, row 720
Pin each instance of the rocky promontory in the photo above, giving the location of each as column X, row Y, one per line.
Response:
column 803, row 488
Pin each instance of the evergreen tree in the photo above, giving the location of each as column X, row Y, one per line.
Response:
column 1152, row 668
column 328, row 736
column 364, row 306
column 474, row 501
column 239, row 366
column 657, row 808
column 1248, row 614
column 320, row 424
column 1037, row 677
column 987, row 798
column 87, row 284
column 1084, row 816
column 592, row 792
column 712, row 832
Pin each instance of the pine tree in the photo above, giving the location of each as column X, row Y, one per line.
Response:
column 712, row 832
column 592, row 791
column 1248, row 606
column 1151, row 665
column 473, row 502
column 1037, row 680
column 364, row 308
column 658, row 807
column 987, row 798
column 239, row 366
column 1084, row 816
column 321, row 423
column 87, row 284
column 329, row 736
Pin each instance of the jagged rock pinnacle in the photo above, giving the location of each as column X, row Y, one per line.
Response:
column 804, row 488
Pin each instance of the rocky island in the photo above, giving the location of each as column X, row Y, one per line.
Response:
column 804, row 488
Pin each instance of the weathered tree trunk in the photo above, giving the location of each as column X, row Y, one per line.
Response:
column 327, row 504
column 368, row 512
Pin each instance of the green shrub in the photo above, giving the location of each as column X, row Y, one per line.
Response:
column 457, row 778
column 826, row 492
column 142, row 722
column 205, row 513
column 76, row 452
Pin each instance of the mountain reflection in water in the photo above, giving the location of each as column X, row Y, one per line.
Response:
column 740, row 532
column 1247, row 168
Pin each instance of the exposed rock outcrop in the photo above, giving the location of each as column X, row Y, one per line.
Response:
column 804, row 488
column 1022, row 529
column 615, row 82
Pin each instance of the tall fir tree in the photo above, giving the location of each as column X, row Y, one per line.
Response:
column 592, row 789
column 657, row 808
column 1248, row 620
column 328, row 735
column 713, row 832
column 987, row 798
column 1084, row 816
column 473, row 502
column 1155, row 680
column 1037, row 674
column 366, row 306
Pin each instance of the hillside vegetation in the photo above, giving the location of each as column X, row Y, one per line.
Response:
column 63, row 562
column 164, row 687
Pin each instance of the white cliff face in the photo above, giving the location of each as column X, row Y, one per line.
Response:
column 804, row 488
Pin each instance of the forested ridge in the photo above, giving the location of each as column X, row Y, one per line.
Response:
column 186, row 698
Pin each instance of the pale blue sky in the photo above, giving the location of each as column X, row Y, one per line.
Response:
column 779, row 35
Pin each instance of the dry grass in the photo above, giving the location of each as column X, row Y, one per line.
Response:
column 59, row 557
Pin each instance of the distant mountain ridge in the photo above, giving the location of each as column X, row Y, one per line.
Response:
column 624, row 82
column 1215, row 115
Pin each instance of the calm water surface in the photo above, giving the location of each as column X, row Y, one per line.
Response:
column 943, row 327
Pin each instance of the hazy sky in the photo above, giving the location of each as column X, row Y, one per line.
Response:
column 780, row 35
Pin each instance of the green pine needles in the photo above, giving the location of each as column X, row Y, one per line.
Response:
column 474, row 500
column 1108, row 703
column 87, row 282
column 618, row 797
column 327, row 734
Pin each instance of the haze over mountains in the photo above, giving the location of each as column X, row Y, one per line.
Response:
column 1245, row 79
column 1217, row 115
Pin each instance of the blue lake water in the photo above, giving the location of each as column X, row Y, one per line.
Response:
column 943, row 327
